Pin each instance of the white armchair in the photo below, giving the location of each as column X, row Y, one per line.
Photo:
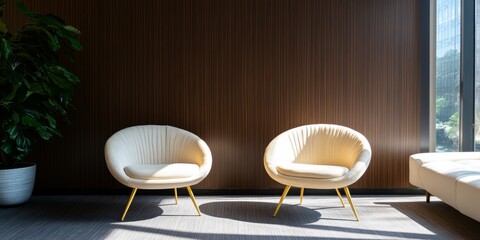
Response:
column 157, row 157
column 319, row 156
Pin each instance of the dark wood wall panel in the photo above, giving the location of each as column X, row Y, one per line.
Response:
column 237, row 73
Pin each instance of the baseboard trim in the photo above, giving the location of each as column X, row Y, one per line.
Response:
column 212, row 192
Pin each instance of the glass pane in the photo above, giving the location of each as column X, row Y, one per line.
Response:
column 477, row 75
column 448, row 74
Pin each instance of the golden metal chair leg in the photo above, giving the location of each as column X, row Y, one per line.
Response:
column 340, row 196
column 347, row 192
column 176, row 196
column 281, row 199
column 132, row 195
column 193, row 200
column 301, row 195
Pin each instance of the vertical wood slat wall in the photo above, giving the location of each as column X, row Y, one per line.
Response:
column 237, row 73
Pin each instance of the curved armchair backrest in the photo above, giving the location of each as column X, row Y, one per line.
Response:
column 155, row 144
column 324, row 144
column 152, row 144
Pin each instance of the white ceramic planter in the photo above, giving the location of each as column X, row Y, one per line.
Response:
column 16, row 184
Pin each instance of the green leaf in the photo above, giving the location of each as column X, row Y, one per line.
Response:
column 13, row 131
column 72, row 29
column 21, row 95
column 47, row 88
column 51, row 121
column 23, row 143
column 15, row 117
column 53, row 40
column 63, row 79
column 44, row 134
column 7, row 147
column 67, row 74
column 13, row 92
column 55, row 130
column 32, row 113
column 72, row 39
column 25, row 11
column 34, row 37
column 26, row 59
column 31, row 122
column 5, row 49
column 51, row 20
column 34, row 87
column 57, row 106
column 75, row 44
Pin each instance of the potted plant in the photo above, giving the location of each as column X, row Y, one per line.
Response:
column 35, row 92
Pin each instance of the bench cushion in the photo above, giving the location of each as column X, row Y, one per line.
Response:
column 440, row 179
column 471, row 164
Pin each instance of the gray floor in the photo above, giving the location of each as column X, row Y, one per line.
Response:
column 234, row 217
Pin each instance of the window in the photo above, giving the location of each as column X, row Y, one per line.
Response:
column 457, row 75
column 448, row 32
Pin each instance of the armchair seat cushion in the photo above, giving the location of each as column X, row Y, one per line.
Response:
column 162, row 171
column 311, row 170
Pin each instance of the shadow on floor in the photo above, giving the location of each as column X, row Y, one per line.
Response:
column 76, row 208
column 439, row 218
column 260, row 212
column 291, row 216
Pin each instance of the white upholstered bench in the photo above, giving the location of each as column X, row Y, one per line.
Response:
column 454, row 177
